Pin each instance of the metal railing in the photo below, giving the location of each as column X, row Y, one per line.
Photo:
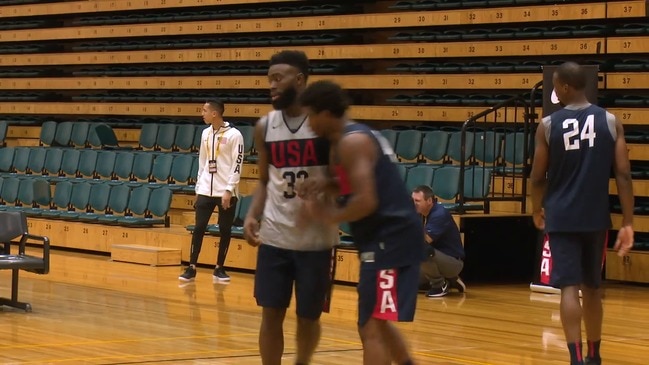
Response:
column 495, row 155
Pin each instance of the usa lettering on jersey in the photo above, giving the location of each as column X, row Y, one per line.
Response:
column 298, row 153
column 386, row 296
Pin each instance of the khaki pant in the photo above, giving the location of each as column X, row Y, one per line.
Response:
column 438, row 267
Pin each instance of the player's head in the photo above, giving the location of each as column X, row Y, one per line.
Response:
column 424, row 199
column 326, row 104
column 287, row 76
column 213, row 111
column 569, row 81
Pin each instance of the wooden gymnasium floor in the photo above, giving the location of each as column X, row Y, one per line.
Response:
column 90, row 310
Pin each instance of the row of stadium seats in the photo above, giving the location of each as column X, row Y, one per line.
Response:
column 604, row 100
column 562, row 31
column 221, row 14
column 489, row 148
column 175, row 171
column 153, row 136
column 206, row 70
column 432, row 66
column 103, row 202
column 452, row 4
column 219, row 42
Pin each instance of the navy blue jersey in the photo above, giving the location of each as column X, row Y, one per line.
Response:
column 441, row 227
column 392, row 235
column 581, row 142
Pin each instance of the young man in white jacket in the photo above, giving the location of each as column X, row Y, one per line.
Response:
column 219, row 171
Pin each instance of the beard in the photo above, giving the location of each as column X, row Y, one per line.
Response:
column 285, row 99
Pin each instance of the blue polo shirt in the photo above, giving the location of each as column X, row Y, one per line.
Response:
column 441, row 227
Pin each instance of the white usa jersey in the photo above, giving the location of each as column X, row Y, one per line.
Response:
column 293, row 156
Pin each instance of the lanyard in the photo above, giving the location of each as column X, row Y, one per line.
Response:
column 218, row 144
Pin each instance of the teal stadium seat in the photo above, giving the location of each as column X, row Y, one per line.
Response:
column 454, row 151
column 391, row 135
column 180, row 170
column 446, row 185
column 41, row 198
column 63, row 134
column 21, row 159
column 78, row 201
column 434, row 145
column 48, row 132
column 156, row 209
column 60, row 200
column 421, row 174
column 105, row 165
column 117, row 204
column 3, row 132
column 161, row 170
column 124, row 165
column 107, row 137
column 7, row 159
column 166, row 137
column 53, row 161
column 79, row 136
column 97, row 202
column 36, row 161
column 409, row 145
column 9, row 194
column 87, row 164
column 184, row 137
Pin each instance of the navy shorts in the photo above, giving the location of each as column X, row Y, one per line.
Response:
column 278, row 269
column 387, row 294
column 577, row 258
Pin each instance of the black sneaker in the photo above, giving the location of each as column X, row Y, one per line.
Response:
column 591, row 361
column 439, row 291
column 220, row 275
column 458, row 284
column 188, row 275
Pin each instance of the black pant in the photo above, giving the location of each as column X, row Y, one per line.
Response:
column 204, row 207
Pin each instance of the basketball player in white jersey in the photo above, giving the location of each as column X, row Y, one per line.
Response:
column 289, row 253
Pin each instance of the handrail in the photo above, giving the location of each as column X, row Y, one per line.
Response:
column 498, row 111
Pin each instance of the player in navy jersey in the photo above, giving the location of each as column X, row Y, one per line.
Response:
column 576, row 148
column 384, row 224
column 289, row 254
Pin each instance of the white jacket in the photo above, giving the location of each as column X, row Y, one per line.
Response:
column 225, row 145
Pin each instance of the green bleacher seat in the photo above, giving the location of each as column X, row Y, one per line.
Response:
column 7, row 159
column 63, row 134
column 36, row 161
column 79, row 136
column 421, row 174
column 408, row 145
column 87, row 163
column 48, row 132
column 118, row 202
column 434, row 146
column 97, row 202
column 446, row 182
column 21, row 159
column 105, row 164
column 53, row 161
column 9, row 193
column 60, row 200
column 78, row 201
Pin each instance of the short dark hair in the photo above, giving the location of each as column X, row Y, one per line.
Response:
column 325, row 95
column 297, row 59
column 572, row 74
column 217, row 105
column 426, row 190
